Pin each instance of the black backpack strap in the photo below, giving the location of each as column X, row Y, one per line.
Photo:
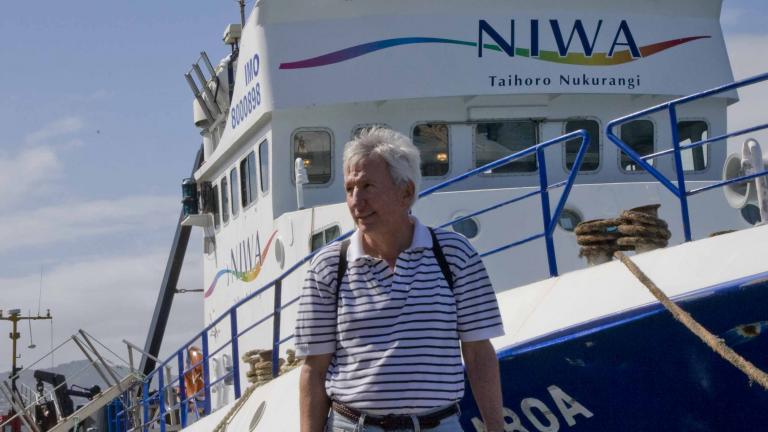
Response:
column 342, row 268
column 441, row 261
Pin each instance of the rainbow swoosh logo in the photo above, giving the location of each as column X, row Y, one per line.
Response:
column 247, row 276
column 597, row 59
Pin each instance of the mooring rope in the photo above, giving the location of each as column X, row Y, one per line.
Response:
column 715, row 343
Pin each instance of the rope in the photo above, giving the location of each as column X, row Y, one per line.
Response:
column 257, row 360
column 222, row 426
column 715, row 343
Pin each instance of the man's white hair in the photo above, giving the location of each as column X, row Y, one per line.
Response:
column 396, row 149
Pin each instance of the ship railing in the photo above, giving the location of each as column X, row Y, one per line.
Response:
column 169, row 399
column 680, row 190
column 166, row 403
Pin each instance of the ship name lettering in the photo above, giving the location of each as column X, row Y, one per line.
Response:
column 622, row 38
column 537, row 416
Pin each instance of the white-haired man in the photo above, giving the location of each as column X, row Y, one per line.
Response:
column 385, row 317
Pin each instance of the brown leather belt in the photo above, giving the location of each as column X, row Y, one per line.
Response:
column 395, row 421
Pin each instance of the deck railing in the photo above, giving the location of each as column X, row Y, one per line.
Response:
column 169, row 403
column 680, row 190
column 166, row 393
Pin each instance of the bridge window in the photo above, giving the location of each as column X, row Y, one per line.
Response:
column 248, row 191
column 264, row 166
column 639, row 136
column 235, row 201
column 591, row 159
column 498, row 139
column 324, row 237
column 432, row 142
column 224, row 200
column 314, row 147
column 216, row 207
column 691, row 131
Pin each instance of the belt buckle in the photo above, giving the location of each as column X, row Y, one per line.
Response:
column 392, row 421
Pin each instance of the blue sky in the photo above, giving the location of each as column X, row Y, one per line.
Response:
column 98, row 134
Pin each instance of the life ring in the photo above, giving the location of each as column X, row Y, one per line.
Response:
column 193, row 378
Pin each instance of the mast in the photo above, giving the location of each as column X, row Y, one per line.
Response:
column 14, row 317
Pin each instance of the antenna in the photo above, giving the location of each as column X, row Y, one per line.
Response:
column 40, row 293
column 31, row 343
column 242, row 12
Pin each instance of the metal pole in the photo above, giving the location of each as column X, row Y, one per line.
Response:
column 276, row 329
column 145, row 405
column 235, row 353
column 545, row 211
column 182, row 390
column 682, row 193
column 161, row 399
column 14, row 337
column 90, row 359
column 101, row 359
column 206, row 374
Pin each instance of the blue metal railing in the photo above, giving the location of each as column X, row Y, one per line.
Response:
column 680, row 190
column 549, row 222
column 158, row 398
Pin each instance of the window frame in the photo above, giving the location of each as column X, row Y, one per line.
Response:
column 234, row 204
column 222, row 180
column 599, row 145
column 450, row 147
column 217, row 207
column 619, row 151
column 254, row 194
column 292, row 159
column 709, row 153
column 262, row 191
column 537, row 140
column 322, row 231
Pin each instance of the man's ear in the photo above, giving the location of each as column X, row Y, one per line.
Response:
column 409, row 191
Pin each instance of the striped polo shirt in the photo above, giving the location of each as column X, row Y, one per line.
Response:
column 395, row 334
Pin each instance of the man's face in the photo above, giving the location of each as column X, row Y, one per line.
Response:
column 376, row 203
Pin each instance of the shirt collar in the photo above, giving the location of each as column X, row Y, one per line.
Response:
column 421, row 239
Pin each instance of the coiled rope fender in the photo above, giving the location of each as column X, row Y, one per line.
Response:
column 715, row 343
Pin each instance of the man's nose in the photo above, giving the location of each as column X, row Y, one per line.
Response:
column 356, row 198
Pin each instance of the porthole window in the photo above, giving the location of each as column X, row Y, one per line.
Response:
column 432, row 141
column 224, row 200
column 639, row 136
column 467, row 227
column 279, row 252
column 751, row 214
column 688, row 132
column 314, row 147
column 495, row 140
column 569, row 218
column 591, row 159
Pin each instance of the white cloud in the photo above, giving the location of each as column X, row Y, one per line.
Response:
column 56, row 129
column 112, row 298
column 78, row 221
column 750, row 110
column 26, row 173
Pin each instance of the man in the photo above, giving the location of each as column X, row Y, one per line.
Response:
column 383, row 345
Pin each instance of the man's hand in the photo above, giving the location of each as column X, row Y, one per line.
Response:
column 313, row 400
column 483, row 373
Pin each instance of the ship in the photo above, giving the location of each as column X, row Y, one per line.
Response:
column 551, row 136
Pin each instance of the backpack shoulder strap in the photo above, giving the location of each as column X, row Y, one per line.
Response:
column 342, row 268
column 441, row 261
